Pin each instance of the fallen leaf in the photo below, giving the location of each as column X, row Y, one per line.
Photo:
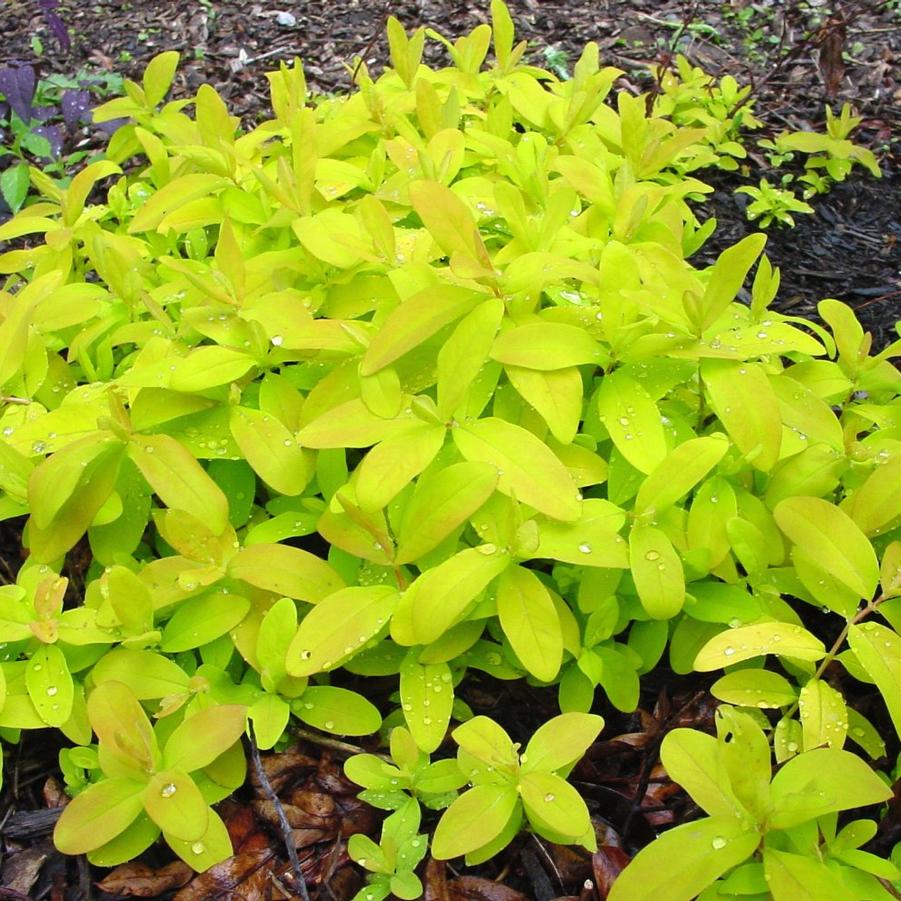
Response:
column 137, row 880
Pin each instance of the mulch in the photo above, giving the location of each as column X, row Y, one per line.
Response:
column 798, row 56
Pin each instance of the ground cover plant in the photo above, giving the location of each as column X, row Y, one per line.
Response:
column 422, row 381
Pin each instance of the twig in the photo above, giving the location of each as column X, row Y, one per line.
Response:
column 333, row 744
column 284, row 826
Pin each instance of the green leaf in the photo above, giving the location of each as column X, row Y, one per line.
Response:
column 633, row 420
column 879, row 651
column 682, row 469
column 446, row 217
column 830, row 538
column 179, row 480
column 198, row 740
column 441, row 595
column 745, row 752
column 824, row 715
column 754, row 688
column 211, row 848
column 393, row 463
column 592, row 540
column 484, row 740
column 338, row 627
column 796, row 877
column 465, row 352
column 476, row 818
column 657, row 571
column 427, row 696
column 203, row 619
column 560, row 742
column 545, row 346
column 148, row 675
column 682, row 862
column 338, row 710
column 747, row 642
column 97, row 815
column 271, row 450
column 555, row 395
column 416, row 320
column 128, row 745
column 50, row 685
column 443, row 500
column 823, row 781
column 174, row 802
column 527, row 469
column 692, row 759
column 728, row 273
column 529, row 619
column 158, row 76
column 553, row 806
column 743, row 400
column 14, row 185
column 876, row 505
column 270, row 715
column 285, row 570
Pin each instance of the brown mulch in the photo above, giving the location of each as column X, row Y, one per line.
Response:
column 802, row 58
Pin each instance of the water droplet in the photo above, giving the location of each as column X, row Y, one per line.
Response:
column 549, row 797
column 728, row 652
column 652, row 555
column 792, row 747
column 734, row 623
column 52, row 690
column 624, row 420
column 718, row 843
column 494, row 659
column 198, row 848
column 39, row 447
column 8, row 430
column 37, row 667
column 487, row 549
column 149, row 448
column 168, row 790
column 585, row 548
column 328, row 724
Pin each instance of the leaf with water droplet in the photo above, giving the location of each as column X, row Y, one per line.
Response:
column 657, row 571
column 50, row 684
column 747, row 642
column 426, row 711
column 174, row 802
column 554, row 808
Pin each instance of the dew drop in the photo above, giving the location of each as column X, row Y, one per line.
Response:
column 734, row 623
column 652, row 555
column 550, row 797
column 328, row 724
column 277, row 340
column 792, row 747
column 198, row 848
column 718, row 843
column 39, row 447
column 585, row 548
column 168, row 790
column 728, row 652
column 52, row 690
column 427, row 721
column 487, row 549
column 8, row 430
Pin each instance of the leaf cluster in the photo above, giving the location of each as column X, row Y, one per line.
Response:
column 410, row 383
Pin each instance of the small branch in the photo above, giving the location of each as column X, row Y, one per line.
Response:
column 333, row 744
column 284, row 826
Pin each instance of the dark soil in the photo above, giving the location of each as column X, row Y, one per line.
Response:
column 798, row 55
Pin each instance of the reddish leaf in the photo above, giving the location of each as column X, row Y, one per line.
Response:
column 472, row 888
column 237, row 876
column 137, row 880
column 607, row 864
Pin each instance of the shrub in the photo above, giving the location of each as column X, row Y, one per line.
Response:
column 420, row 381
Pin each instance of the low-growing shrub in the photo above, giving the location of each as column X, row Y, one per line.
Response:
column 420, row 381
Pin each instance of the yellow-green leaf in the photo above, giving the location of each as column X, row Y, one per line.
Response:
column 97, row 815
column 338, row 627
column 179, row 480
column 747, row 642
column 285, row 570
column 529, row 619
column 879, row 651
column 824, row 715
column 527, row 469
column 743, row 399
column 657, row 571
column 271, row 450
column 831, row 539
column 633, row 421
